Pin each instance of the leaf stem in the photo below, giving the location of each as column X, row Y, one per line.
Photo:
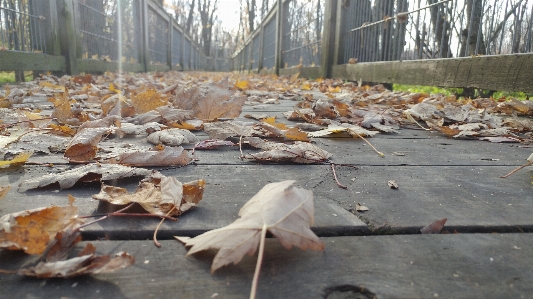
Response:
column 159, row 225
column 253, row 291
column 335, row 177
column 517, row 169
column 240, row 148
column 382, row 155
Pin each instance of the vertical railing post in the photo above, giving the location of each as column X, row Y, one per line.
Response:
column 260, row 54
column 328, row 38
column 145, row 38
column 68, row 39
column 170, row 42
column 338, row 56
column 279, row 36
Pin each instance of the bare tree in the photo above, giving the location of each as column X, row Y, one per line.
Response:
column 472, row 41
column 207, row 9
column 441, row 27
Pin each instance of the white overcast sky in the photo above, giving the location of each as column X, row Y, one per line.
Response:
column 228, row 13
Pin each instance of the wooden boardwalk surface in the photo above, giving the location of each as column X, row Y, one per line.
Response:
column 486, row 253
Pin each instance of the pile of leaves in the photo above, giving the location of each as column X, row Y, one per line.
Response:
column 86, row 119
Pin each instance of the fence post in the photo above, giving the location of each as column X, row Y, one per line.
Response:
column 279, row 37
column 328, row 38
column 170, row 42
column 338, row 56
column 145, row 37
column 68, row 39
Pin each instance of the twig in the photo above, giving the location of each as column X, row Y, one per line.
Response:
column 253, row 291
column 335, row 177
column 159, row 225
column 517, row 169
column 105, row 215
column 119, row 213
column 410, row 117
column 8, row 271
column 240, row 148
column 382, row 155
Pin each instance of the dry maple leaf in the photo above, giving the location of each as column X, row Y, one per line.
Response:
column 211, row 101
column 86, row 263
column 299, row 152
column 157, row 194
column 83, row 146
column 148, row 100
column 285, row 212
column 31, row 230
column 172, row 137
column 434, row 228
column 87, row 173
column 165, row 157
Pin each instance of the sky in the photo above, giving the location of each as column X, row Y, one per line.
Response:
column 228, row 13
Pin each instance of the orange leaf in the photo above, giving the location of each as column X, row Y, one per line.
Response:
column 148, row 100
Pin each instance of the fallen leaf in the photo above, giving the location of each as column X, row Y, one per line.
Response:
column 147, row 100
column 83, row 146
column 87, row 173
column 157, row 195
column 361, row 208
column 434, row 228
column 211, row 101
column 286, row 213
column 172, row 137
column 223, row 130
column 393, row 184
column 4, row 190
column 31, row 230
column 212, row 144
column 17, row 160
column 82, row 265
column 166, row 157
column 299, row 152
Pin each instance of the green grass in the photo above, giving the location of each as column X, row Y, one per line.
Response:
column 426, row 89
column 9, row 77
column 455, row 91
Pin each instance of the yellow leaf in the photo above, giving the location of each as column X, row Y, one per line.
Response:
column 32, row 116
column 295, row 134
column 242, row 84
column 148, row 100
column 4, row 190
column 112, row 88
column 51, row 85
column 294, row 77
column 272, row 121
column 306, row 86
column 18, row 159
column 66, row 130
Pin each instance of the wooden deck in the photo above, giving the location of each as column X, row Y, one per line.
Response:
column 487, row 253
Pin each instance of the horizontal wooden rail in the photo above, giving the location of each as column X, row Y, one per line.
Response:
column 502, row 72
column 22, row 61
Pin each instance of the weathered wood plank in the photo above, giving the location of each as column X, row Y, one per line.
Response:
column 227, row 189
column 305, row 72
column 512, row 72
column 100, row 66
column 27, row 61
column 416, row 266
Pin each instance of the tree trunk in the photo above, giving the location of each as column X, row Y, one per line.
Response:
column 471, row 34
column 190, row 18
column 441, row 28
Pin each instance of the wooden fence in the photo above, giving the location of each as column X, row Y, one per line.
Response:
column 400, row 46
column 73, row 36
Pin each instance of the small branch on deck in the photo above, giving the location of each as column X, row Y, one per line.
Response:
column 335, row 177
column 159, row 225
column 517, row 169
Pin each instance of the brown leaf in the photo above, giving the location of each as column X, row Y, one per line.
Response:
column 286, row 213
column 157, row 195
column 4, row 190
column 147, row 100
column 361, row 208
column 393, row 184
column 172, row 137
column 87, row 173
column 31, row 230
column 167, row 156
column 83, row 146
column 299, row 152
column 211, row 101
column 434, row 228
column 82, row 265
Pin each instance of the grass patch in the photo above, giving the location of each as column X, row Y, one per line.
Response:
column 9, row 77
column 455, row 91
column 427, row 89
